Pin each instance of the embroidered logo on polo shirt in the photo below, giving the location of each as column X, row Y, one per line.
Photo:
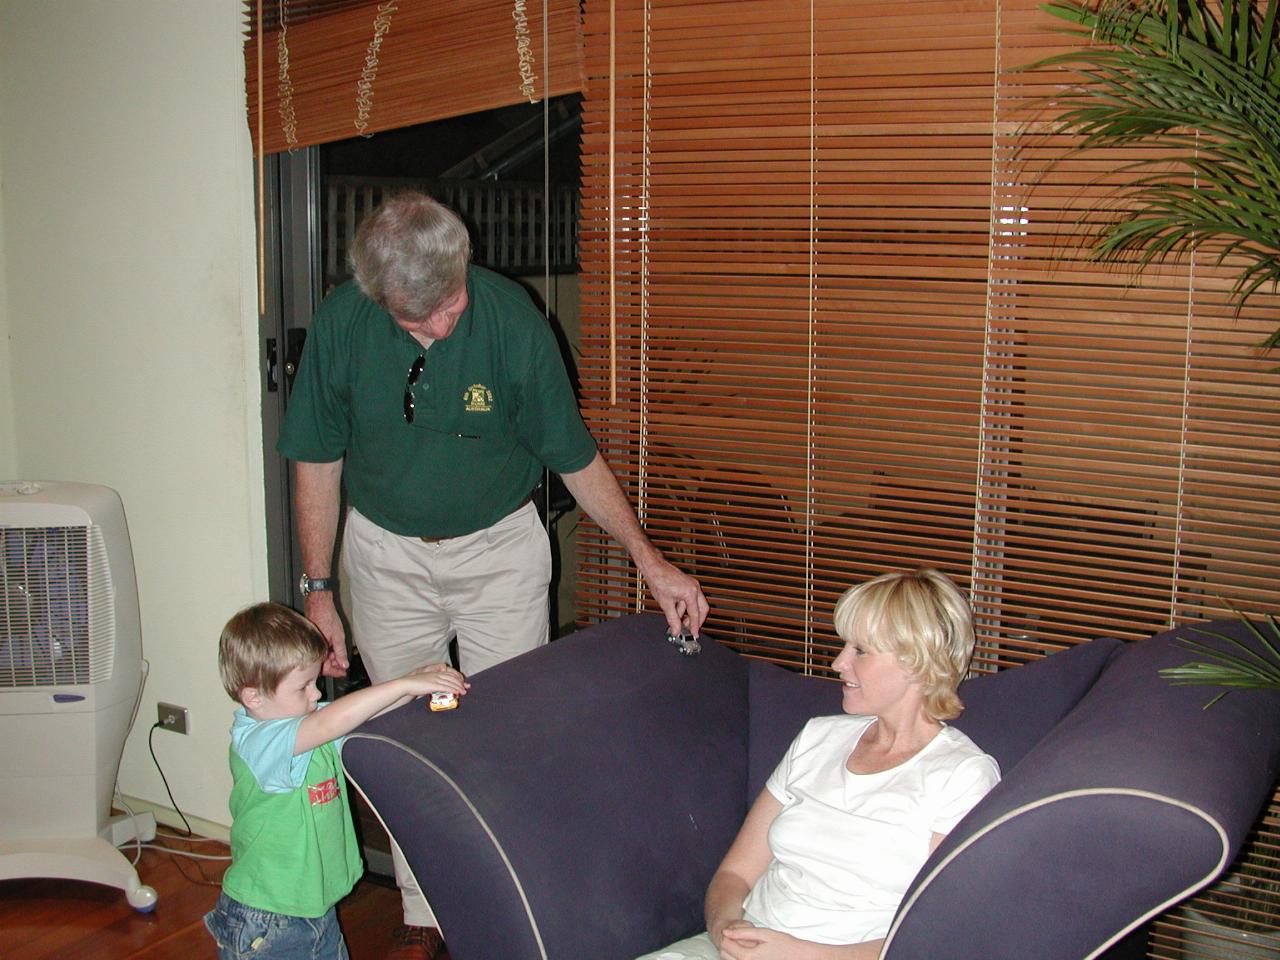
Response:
column 323, row 793
column 477, row 398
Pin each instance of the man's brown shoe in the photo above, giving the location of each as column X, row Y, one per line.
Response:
column 417, row 943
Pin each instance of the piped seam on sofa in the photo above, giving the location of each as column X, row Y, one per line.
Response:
column 1067, row 795
column 515, row 879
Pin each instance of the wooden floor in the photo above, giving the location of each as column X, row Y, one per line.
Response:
column 70, row 920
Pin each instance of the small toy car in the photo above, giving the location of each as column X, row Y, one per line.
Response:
column 685, row 642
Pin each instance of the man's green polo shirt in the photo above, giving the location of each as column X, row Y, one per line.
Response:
column 492, row 405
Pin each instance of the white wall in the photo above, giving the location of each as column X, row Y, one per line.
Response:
column 8, row 460
column 128, row 289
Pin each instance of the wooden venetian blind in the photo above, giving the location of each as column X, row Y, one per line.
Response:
column 836, row 321
column 902, row 159
column 853, row 331
column 801, row 198
column 1129, row 447
column 1129, row 468
column 711, row 191
column 335, row 69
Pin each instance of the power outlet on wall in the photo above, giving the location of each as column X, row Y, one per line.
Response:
column 172, row 717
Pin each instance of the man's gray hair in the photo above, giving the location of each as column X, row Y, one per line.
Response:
column 410, row 255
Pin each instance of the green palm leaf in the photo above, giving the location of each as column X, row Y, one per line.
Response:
column 1246, row 669
column 1200, row 81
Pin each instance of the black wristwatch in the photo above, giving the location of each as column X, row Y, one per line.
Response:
column 310, row 585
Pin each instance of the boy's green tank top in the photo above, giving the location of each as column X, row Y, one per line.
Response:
column 292, row 853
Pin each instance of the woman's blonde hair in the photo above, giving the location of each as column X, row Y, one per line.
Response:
column 922, row 617
column 262, row 643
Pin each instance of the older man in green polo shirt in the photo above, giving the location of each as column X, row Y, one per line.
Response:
column 436, row 392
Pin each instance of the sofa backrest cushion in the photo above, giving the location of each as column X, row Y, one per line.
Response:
column 782, row 702
column 603, row 769
column 1006, row 713
column 1009, row 712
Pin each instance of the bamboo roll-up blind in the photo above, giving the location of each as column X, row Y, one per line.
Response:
column 335, row 70
column 294, row 13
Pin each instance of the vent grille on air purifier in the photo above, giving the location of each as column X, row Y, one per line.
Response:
column 56, row 622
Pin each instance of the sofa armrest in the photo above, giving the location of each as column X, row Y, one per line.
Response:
column 1138, row 798
column 576, row 803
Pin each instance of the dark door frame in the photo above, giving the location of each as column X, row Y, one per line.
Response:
column 292, row 263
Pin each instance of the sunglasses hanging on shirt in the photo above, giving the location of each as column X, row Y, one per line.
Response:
column 415, row 372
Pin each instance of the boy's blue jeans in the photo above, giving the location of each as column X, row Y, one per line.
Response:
column 244, row 932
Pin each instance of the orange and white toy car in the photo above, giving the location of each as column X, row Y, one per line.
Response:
column 443, row 701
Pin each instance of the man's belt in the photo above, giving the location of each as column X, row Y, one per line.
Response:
column 526, row 501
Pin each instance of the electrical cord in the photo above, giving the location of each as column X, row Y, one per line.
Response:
column 133, row 718
column 163, row 779
column 174, row 852
column 136, row 839
column 139, row 846
column 194, row 839
column 190, row 836
column 189, row 854
column 203, row 880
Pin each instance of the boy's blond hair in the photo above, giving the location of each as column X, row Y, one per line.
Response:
column 262, row 643
column 923, row 618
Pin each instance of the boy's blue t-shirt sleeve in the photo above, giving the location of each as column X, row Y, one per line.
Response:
column 266, row 747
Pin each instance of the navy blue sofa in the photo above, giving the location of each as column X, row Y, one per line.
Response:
column 577, row 803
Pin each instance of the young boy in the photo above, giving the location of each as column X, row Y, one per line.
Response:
column 293, row 848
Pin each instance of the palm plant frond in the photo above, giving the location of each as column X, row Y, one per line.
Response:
column 1199, row 80
column 1248, row 669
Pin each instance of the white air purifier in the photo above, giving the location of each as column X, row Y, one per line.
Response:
column 71, row 674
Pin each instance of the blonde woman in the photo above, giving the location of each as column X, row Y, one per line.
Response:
column 861, row 799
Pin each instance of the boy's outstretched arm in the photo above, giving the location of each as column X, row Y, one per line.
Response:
column 346, row 713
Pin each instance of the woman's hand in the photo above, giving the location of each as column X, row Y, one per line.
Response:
column 745, row 942
column 717, row 931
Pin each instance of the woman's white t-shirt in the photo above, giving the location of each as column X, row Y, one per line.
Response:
column 846, row 845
